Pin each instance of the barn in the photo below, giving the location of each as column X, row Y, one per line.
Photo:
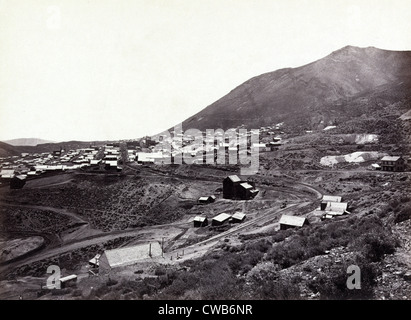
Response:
column 127, row 256
column 287, row 222
column 220, row 219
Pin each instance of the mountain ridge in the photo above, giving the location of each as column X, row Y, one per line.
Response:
column 275, row 96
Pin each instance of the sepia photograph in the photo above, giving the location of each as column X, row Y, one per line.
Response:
column 205, row 155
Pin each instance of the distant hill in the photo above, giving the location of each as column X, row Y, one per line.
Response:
column 348, row 83
column 27, row 142
column 8, row 150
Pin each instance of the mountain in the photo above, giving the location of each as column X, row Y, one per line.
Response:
column 347, row 83
column 7, row 150
column 27, row 142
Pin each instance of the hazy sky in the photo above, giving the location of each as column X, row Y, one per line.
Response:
column 120, row 69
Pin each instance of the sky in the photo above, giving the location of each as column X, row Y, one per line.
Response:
column 121, row 69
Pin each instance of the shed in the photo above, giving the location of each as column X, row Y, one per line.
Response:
column 287, row 222
column 220, row 219
column 94, row 261
column 18, row 182
column 204, row 200
column 67, row 281
column 200, row 222
column 244, row 191
column 326, row 199
column 121, row 257
column 238, row 217
column 337, row 207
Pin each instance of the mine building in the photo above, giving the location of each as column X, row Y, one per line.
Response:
column 93, row 262
column 235, row 188
column 336, row 208
column 287, row 222
column 246, row 191
column 127, row 256
column 200, row 222
column 326, row 199
column 70, row 280
column 230, row 185
column 206, row 200
column 390, row 163
column 238, row 217
column 17, row 182
column 220, row 219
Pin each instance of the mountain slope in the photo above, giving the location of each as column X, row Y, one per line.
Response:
column 7, row 150
column 310, row 91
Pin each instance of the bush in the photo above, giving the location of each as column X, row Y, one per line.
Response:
column 332, row 285
column 374, row 246
column 403, row 215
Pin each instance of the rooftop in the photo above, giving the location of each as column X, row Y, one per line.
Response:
column 222, row 217
column 234, row 178
column 292, row 220
column 331, row 198
column 130, row 255
column 390, row 158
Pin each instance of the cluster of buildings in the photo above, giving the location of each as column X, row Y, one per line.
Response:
column 15, row 170
column 185, row 145
column 330, row 207
column 235, row 188
column 219, row 220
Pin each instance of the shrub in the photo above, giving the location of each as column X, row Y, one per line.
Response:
column 332, row 285
column 403, row 215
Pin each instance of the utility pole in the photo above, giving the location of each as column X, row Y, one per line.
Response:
column 149, row 250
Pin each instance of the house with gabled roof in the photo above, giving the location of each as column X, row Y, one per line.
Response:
column 393, row 163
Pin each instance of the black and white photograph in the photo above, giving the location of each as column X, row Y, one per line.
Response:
column 214, row 151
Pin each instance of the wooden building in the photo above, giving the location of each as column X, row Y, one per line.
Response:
column 206, row 200
column 287, row 222
column 70, row 280
column 237, row 217
column 235, row 188
column 390, row 163
column 220, row 219
column 230, row 185
column 17, row 182
column 121, row 257
column 326, row 199
column 200, row 222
